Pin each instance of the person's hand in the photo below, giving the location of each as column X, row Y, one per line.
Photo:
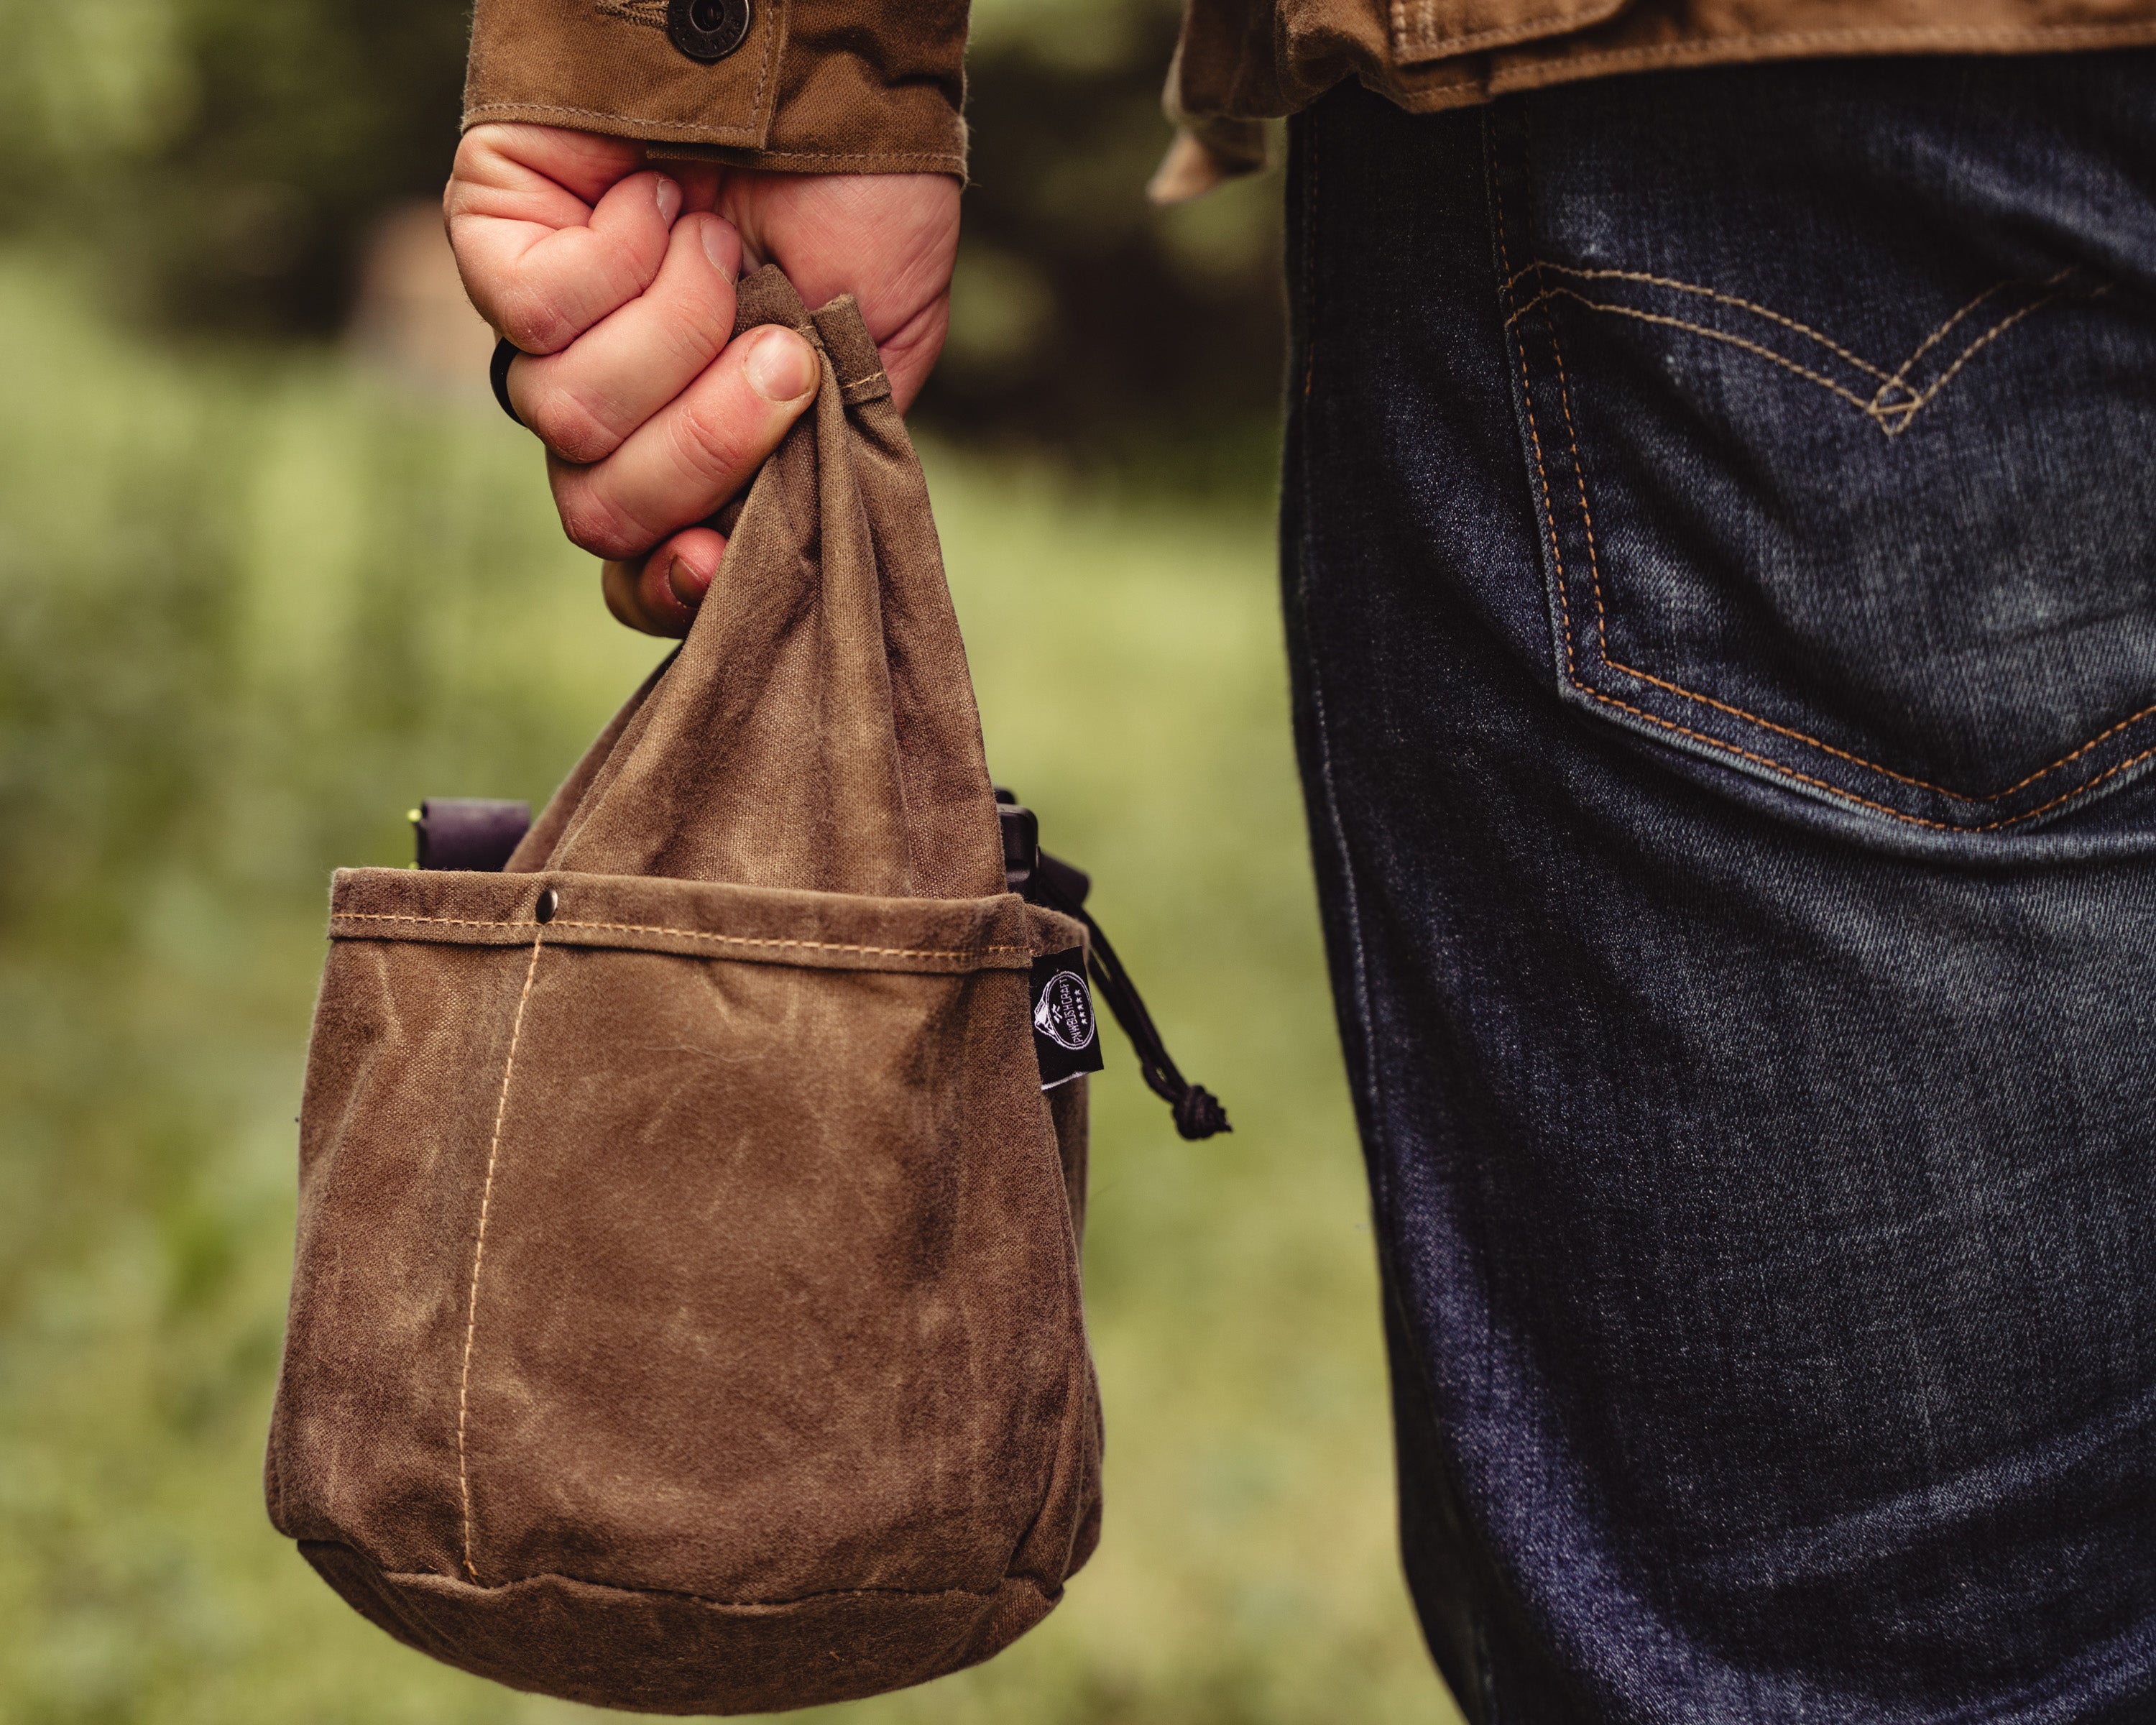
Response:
column 617, row 279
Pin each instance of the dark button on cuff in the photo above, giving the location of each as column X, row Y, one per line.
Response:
column 707, row 29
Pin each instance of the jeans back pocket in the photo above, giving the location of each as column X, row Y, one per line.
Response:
column 1839, row 426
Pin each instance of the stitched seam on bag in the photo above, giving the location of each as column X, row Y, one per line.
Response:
column 1572, row 676
column 478, row 1250
column 694, row 934
column 674, row 1593
column 751, row 940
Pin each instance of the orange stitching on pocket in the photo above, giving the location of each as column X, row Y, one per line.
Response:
column 1937, row 335
column 1908, row 409
column 1509, row 287
column 1809, row 376
column 1602, row 631
column 1892, row 419
column 1742, row 305
column 1527, row 395
column 1835, row 790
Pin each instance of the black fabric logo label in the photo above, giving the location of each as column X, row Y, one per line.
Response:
column 1065, row 1035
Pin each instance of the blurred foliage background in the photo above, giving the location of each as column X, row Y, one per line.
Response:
column 267, row 577
column 220, row 165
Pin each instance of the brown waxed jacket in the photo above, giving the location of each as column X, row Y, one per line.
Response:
column 877, row 86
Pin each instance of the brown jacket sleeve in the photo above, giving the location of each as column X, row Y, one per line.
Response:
column 812, row 86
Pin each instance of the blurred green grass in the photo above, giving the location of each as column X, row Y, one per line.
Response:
column 251, row 610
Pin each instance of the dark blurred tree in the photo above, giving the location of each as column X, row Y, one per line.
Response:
column 222, row 164
column 309, row 117
column 225, row 159
column 1084, row 319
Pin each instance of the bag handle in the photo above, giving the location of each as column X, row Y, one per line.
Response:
column 817, row 729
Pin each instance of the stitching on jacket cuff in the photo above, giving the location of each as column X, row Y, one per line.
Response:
column 883, row 161
column 725, row 138
column 643, row 126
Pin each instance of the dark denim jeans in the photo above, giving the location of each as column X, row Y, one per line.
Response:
column 1720, row 568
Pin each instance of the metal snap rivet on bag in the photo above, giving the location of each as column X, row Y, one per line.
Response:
column 707, row 30
column 543, row 911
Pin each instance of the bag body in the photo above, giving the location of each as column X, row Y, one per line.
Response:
column 685, row 1312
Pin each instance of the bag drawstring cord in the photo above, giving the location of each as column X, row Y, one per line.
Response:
column 1198, row 1113
column 1049, row 880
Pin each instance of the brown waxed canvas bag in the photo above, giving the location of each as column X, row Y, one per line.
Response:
column 685, row 1314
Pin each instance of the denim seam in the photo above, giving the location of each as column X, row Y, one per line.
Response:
column 1572, row 671
column 1357, row 955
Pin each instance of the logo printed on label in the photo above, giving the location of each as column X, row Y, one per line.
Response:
column 1066, row 1036
column 1063, row 1014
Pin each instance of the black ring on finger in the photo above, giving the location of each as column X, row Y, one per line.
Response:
column 497, row 373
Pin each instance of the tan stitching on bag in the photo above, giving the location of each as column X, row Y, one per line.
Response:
column 1557, row 554
column 752, row 940
column 479, row 1249
column 675, row 1592
column 694, row 934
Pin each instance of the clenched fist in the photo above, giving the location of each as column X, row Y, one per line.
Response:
column 616, row 279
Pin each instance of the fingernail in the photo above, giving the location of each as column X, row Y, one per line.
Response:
column 722, row 246
column 668, row 192
column 781, row 367
column 687, row 584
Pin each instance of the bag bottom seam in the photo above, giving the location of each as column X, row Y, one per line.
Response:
column 406, row 1576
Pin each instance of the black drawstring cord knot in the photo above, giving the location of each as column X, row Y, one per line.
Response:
column 1197, row 1112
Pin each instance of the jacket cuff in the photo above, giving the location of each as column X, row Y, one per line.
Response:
column 810, row 86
